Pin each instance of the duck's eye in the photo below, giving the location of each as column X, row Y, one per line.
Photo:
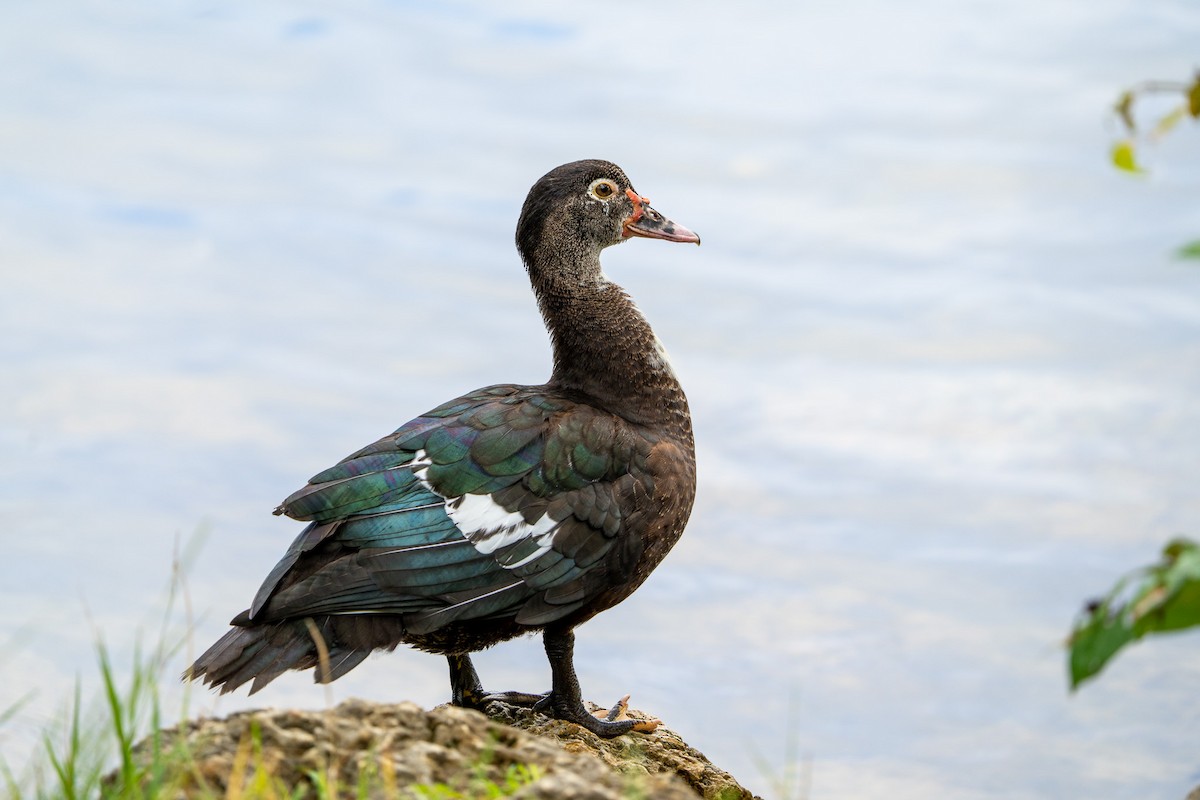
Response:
column 602, row 189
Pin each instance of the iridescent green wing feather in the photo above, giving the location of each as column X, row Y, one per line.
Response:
column 506, row 501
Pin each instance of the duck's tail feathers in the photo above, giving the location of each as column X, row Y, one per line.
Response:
column 261, row 653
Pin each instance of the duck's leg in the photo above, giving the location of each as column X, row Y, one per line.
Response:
column 467, row 692
column 565, row 700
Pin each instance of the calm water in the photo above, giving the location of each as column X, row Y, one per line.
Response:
column 943, row 368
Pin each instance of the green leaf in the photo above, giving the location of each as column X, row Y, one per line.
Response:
column 1193, row 98
column 1123, row 157
column 1189, row 250
column 1167, row 598
column 1094, row 643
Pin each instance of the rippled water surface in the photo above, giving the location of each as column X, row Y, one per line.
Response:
column 943, row 369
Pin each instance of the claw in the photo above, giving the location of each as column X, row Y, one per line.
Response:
column 647, row 725
column 620, row 712
column 617, row 712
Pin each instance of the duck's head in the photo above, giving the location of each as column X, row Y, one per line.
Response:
column 580, row 208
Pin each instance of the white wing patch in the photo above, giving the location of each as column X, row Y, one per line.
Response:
column 487, row 525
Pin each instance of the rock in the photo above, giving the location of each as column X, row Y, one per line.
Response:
column 383, row 751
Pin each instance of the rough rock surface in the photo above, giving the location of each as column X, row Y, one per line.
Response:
column 390, row 749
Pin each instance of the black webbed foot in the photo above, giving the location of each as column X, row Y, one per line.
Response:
column 563, row 702
column 607, row 724
column 467, row 692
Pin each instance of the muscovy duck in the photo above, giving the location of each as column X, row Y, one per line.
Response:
column 508, row 510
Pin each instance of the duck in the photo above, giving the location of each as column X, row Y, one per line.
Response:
column 507, row 511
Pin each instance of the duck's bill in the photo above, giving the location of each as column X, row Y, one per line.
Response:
column 654, row 225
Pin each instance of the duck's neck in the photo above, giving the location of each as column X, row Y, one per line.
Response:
column 605, row 350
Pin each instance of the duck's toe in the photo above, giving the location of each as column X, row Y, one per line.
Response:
column 522, row 699
column 620, row 712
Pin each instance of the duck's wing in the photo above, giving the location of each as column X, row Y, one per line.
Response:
column 507, row 502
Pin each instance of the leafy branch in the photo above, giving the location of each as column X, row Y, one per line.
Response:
column 1124, row 153
column 1160, row 598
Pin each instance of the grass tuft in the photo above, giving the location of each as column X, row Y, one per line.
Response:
column 115, row 748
